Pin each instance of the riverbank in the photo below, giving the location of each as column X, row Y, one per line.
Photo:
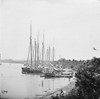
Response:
column 66, row 90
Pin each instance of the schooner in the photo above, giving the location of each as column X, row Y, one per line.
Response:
column 32, row 64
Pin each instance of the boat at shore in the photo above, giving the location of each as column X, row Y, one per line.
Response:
column 26, row 70
column 49, row 75
column 31, row 67
column 52, row 75
column 52, row 72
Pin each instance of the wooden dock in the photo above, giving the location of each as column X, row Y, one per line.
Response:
column 59, row 76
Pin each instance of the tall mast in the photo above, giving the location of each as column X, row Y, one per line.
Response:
column 40, row 57
column 49, row 53
column 31, row 43
column 43, row 50
column 53, row 51
column 35, row 51
column 38, row 49
column 0, row 59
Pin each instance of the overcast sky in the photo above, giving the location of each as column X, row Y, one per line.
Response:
column 72, row 25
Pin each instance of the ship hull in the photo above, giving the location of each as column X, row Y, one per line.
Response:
column 49, row 75
column 52, row 75
column 31, row 71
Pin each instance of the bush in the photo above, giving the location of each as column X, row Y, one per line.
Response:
column 88, row 80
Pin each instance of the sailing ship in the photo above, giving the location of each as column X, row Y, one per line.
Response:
column 54, row 71
column 50, row 72
column 31, row 66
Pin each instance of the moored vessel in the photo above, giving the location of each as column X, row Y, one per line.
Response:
column 31, row 66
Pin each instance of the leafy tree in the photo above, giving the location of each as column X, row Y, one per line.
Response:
column 88, row 79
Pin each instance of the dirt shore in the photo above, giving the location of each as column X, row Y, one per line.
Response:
column 66, row 89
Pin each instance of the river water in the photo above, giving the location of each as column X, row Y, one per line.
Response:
column 21, row 86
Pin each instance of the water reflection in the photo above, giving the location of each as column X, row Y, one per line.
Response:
column 21, row 85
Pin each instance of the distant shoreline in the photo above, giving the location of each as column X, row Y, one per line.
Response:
column 13, row 61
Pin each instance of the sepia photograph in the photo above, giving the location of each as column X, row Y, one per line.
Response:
column 49, row 49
